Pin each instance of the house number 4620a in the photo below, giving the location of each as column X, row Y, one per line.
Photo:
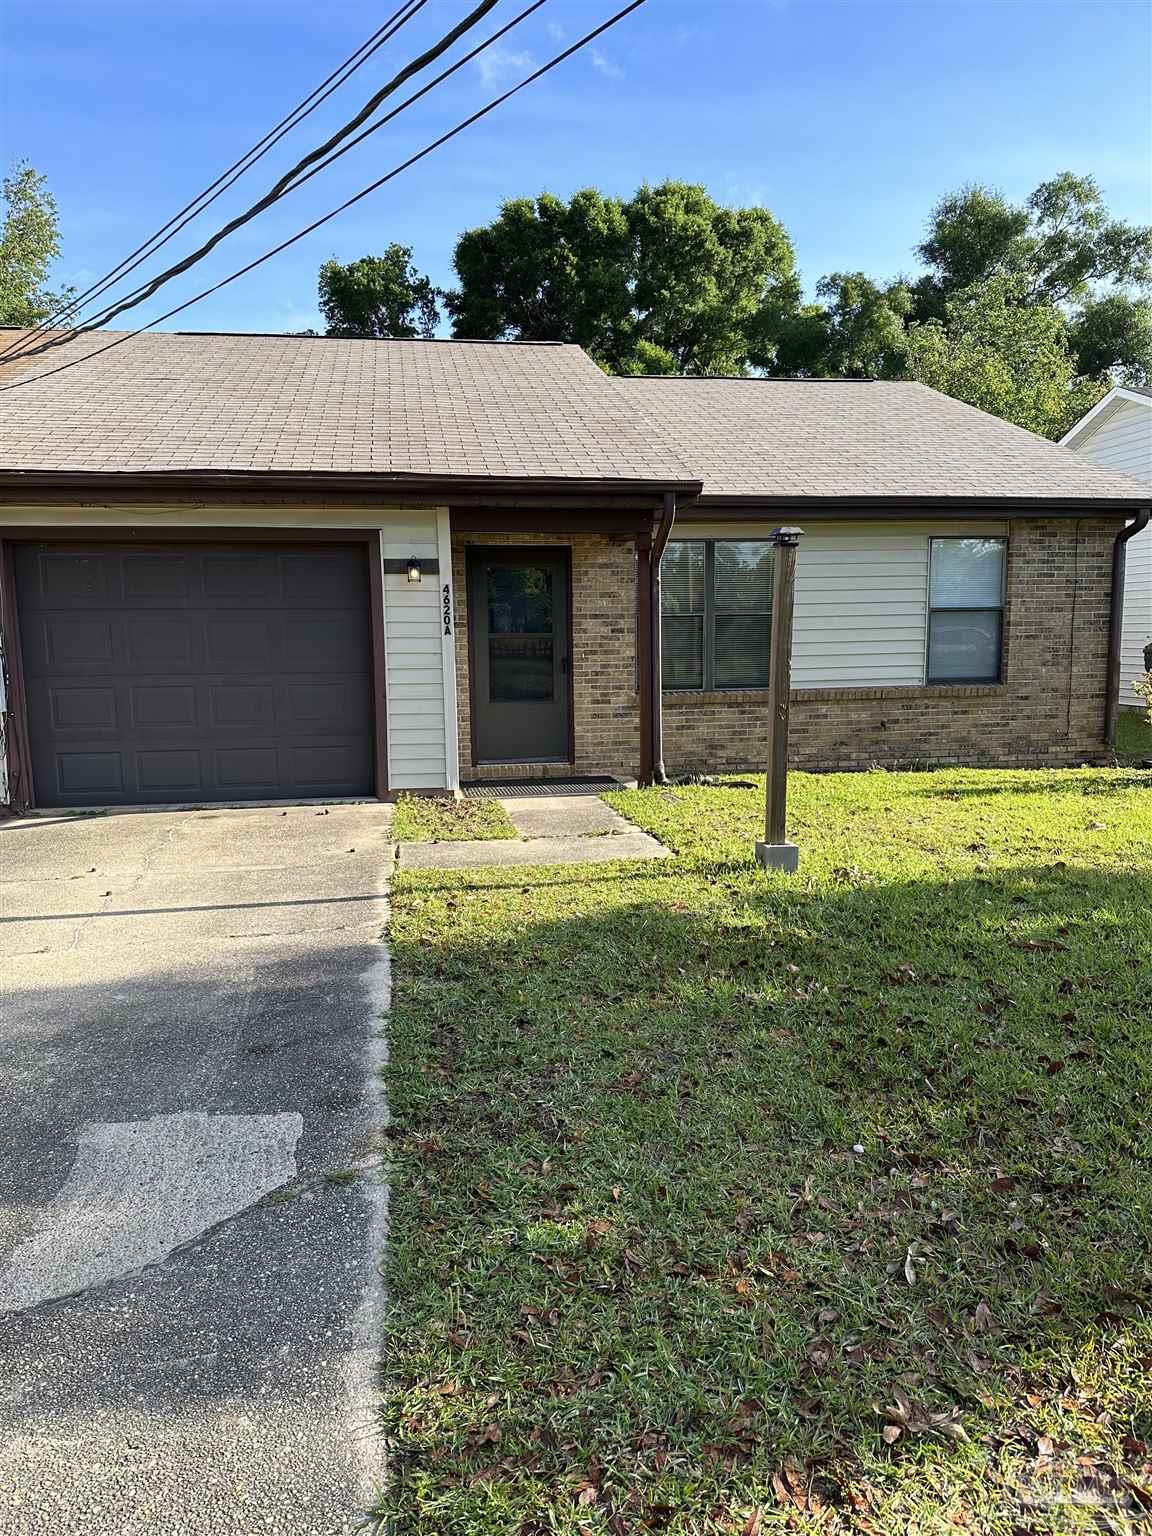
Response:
column 447, row 609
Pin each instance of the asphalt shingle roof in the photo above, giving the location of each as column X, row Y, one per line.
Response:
column 166, row 401
column 172, row 402
column 858, row 439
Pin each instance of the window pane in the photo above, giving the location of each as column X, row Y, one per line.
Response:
column 520, row 667
column 519, row 599
column 683, row 652
column 743, row 576
column 742, row 643
column 682, row 578
column 964, row 647
column 967, row 573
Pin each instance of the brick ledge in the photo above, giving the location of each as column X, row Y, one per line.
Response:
column 911, row 692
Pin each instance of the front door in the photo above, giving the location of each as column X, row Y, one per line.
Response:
column 518, row 600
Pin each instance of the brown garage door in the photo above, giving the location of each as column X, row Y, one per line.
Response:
column 159, row 673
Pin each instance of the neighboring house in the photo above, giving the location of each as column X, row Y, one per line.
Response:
column 1117, row 432
column 261, row 567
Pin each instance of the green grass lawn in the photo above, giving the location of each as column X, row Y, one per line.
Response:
column 424, row 819
column 1133, row 734
column 732, row 1203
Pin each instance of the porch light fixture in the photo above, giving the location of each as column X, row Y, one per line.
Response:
column 414, row 572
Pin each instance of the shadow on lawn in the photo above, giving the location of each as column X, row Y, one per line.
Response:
column 771, row 1161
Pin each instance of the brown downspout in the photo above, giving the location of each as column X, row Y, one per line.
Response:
column 660, row 543
column 1116, row 622
column 644, row 653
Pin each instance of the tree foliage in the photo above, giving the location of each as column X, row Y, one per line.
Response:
column 1064, row 248
column 667, row 281
column 1003, row 355
column 29, row 244
column 1029, row 310
column 857, row 332
column 379, row 297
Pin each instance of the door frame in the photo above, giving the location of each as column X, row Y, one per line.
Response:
column 474, row 553
column 19, row 741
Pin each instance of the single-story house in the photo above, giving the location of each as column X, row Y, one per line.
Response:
column 1117, row 432
column 240, row 567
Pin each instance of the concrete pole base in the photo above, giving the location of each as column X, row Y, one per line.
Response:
column 785, row 856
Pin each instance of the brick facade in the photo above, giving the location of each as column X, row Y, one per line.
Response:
column 1048, row 711
column 605, row 710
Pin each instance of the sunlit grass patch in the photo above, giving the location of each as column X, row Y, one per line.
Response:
column 424, row 819
column 730, row 1202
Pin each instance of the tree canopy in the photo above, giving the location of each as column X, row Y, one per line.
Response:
column 667, row 281
column 379, row 297
column 1003, row 355
column 1029, row 310
column 29, row 244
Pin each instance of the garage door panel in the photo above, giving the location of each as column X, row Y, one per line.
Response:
column 173, row 773
column 240, row 578
column 146, row 682
column 85, row 708
column 157, row 580
column 80, row 580
column 91, row 777
column 242, row 706
column 76, row 644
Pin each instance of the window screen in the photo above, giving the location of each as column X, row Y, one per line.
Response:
column 966, row 610
column 716, row 613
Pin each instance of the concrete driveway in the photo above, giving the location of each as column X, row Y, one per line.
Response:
column 190, row 1213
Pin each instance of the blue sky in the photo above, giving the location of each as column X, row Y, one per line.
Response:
column 847, row 118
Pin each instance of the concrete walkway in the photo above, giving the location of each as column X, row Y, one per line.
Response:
column 190, row 1043
column 554, row 829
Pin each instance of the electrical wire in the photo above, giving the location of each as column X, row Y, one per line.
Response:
column 374, row 186
column 228, row 178
column 284, row 184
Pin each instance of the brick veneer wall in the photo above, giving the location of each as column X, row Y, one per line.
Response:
column 605, row 710
column 1049, row 710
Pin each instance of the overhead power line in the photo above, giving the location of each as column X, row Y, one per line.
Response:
column 228, row 178
column 374, row 186
column 284, row 184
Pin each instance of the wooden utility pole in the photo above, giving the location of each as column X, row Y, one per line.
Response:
column 776, row 852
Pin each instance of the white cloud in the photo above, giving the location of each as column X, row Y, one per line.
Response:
column 604, row 65
column 499, row 64
column 557, row 33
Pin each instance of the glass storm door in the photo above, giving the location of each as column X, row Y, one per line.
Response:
column 520, row 696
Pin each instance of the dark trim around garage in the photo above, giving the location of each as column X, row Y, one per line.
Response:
column 21, row 794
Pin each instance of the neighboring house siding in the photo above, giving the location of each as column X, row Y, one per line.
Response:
column 1123, row 440
column 1049, row 710
column 1137, row 614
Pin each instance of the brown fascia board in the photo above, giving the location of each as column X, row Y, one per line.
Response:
column 848, row 508
column 457, row 490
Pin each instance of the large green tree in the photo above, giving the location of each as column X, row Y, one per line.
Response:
column 856, row 330
column 1005, row 355
column 1066, row 250
column 29, row 244
column 379, row 297
column 667, row 281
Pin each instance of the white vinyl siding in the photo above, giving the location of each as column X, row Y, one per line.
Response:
column 861, row 617
column 1137, row 631
column 414, row 669
column 1123, row 441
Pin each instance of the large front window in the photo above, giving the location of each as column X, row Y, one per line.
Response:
column 965, row 610
column 716, row 613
